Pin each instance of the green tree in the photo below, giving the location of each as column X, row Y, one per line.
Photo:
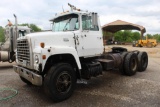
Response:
column 118, row 36
column 126, row 36
column 2, row 38
column 135, row 36
column 34, row 27
column 123, row 36
column 157, row 37
column 149, row 36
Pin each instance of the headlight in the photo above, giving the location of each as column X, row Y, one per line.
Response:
column 36, row 59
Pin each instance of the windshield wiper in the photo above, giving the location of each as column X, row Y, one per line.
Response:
column 66, row 24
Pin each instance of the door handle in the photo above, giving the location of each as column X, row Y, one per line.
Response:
column 83, row 36
column 77, row 40
column 99, row 37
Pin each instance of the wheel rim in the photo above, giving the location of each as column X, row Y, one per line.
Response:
column 63, row 84
column 133, row 64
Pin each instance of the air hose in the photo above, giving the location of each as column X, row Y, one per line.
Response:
column 8, row 97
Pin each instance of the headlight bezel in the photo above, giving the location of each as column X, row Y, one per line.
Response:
column 36, row 59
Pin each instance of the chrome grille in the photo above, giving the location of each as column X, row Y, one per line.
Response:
column 23, row 52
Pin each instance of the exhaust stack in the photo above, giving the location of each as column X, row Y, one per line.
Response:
column 16, row 25
column 9, row 23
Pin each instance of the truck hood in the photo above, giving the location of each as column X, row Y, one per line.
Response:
column 51, row 39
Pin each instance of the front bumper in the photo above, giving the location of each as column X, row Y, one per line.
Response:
column 28, row 75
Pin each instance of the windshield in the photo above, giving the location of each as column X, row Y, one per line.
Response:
column 22, row 33
column 66, row 23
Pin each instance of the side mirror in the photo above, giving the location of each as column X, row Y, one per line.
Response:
column 94, row 19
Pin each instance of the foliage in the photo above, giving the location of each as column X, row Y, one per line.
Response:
column 2, row 38
column 149, row 36
column 34, row 27
column 126, row 36
column 135, row 35
column 129, row 36
column 157, row 37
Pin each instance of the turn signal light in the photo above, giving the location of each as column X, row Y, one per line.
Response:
column 9, row 24
column 42, row 44
column 43, row 56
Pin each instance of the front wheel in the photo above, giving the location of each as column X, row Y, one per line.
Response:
column 60, row 81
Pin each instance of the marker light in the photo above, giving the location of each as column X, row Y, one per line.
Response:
column 42, row 44
column 43, row 56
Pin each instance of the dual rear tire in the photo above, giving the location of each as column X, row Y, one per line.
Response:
column 142, row 61
column 133, row 62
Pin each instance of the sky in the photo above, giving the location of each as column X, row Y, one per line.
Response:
column 142, row 12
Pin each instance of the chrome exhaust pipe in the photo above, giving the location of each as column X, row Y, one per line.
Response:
column 16, row 25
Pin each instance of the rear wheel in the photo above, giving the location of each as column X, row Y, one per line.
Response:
column 142, row 61
column 121, row 68
column 130, row 64
column 59, row 82
column 25, row 81
column 136, row 52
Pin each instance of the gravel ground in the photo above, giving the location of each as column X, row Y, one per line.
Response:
column 110, row 90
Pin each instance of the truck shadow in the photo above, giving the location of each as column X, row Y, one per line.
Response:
column 85, row 86
column 6, row 67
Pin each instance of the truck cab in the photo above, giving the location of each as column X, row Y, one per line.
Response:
column 8, row 47
column 85, row 27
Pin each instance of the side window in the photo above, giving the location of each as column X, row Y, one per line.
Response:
column 87, row 23
column 77, row 25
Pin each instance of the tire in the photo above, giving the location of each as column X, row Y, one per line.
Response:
column 131, row 64
column 59, row 82
column 139, row 45
column 25, row 81
column 121, row 68
column 136, row 52
column 142, row 61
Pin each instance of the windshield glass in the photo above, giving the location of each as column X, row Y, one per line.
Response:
column 23, row 33
column 66, row 23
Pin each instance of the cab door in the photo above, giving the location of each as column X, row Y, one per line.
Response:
column 90, row 41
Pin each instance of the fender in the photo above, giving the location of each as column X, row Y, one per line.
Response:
column 56, row 50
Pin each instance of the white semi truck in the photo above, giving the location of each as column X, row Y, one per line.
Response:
column 8, row 47
column 72, row 50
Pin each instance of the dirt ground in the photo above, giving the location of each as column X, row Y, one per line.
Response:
column 110, row 90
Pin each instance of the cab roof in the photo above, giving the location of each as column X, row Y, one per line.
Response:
column 69, row 12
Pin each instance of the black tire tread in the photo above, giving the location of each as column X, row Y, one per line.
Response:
column 50, row 75
column 128, row 70
column 140, row 65
column 121, row 68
